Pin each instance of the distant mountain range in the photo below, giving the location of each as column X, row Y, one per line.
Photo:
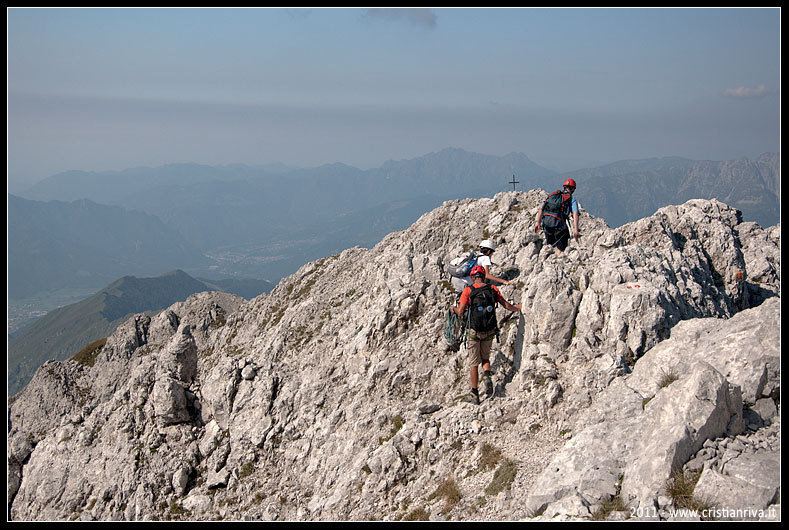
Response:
column 84, row 244
column 241, row 221
column 239, row 205
column 625, row 191
column 229, row 221
column 65, row 331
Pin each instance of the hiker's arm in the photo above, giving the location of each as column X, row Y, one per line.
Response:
column 462, row 302
column 539, row 218
column 575, row 224
column 509, row 307
column 499, row 280
column 489, row 276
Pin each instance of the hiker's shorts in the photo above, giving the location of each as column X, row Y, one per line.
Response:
column 479, row 345
column 559, row 239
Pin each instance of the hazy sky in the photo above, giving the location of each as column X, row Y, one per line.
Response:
column 99, row 89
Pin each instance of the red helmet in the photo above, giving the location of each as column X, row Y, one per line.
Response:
column 570, row 183
column 477, row 270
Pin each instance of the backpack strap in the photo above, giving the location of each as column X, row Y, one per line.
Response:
column 567, row 204
column 553, row 215
column 477, row 289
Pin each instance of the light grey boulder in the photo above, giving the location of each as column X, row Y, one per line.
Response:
column 623, row 439
column 744, row 348
column 699, row 406
column 746, row 487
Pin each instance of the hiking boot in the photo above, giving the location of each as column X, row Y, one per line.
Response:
column 471, row 397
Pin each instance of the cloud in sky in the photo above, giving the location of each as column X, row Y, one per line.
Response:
column 747, row 93
column 422, row 17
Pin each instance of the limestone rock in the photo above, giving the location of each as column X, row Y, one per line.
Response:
column 334, row 397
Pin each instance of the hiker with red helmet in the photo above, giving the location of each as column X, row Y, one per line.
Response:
column 554, row 215
column 480, row 299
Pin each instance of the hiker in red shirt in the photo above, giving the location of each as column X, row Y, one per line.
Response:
column 480, row 299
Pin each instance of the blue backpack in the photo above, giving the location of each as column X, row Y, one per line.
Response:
column 556, row 210
column 461, row 266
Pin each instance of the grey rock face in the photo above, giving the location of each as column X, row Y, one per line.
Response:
column 639, row 352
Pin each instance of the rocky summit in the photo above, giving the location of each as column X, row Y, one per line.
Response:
column 640, row 381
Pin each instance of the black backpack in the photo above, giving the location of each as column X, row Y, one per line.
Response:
column 482, row 309
column 556, row 210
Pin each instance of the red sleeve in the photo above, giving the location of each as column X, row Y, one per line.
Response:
column 464, row 296
column 499, row 298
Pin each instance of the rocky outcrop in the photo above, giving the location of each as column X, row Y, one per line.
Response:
column 644, row 426
column 639, row 353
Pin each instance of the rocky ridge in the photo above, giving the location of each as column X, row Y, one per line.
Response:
column 641, row 352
